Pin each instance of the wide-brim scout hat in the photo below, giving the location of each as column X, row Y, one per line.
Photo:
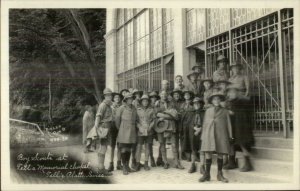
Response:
column 107, row 91
column 130, row 95
column 190, row 74
column 222, row 82
column 154, row 94
column 198, row 66
column 216, row 94
column 161, row 126
column 184, row 91
column 144, row 97
column 198, row 100
column 116, row 93
column 136, row 91
column 239, row 66
column 124, row 90
column 207, row 80
column 221, row 58
column 176, row 90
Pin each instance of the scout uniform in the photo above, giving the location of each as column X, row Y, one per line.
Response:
column 125, row 119
column 215, row 137
column 102, row 128
column 198, row 69
column 185, row 108
column 152, row 95
column 136, row 102
column 166, row 129
column 220, row 74
column 145, row 124
column 180, row 86
column 194, row 127
column 239, row 81
column 207, row 93
column 193, row 86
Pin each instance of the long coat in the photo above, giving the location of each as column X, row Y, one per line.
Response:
column 185, row 123
column 216, row 131
column 241, row 122
column 126, row 118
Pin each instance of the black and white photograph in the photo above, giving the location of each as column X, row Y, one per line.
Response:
column 149, row 97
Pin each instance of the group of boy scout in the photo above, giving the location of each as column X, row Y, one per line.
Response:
column 194, row 119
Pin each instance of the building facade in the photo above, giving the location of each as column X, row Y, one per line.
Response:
column 145, row 46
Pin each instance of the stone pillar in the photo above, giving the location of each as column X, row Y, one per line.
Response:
column 111, row 42
column 181, row 54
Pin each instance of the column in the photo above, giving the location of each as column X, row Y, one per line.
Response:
column 181, row 54
column 111, row 47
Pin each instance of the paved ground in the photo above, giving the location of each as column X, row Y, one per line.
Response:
column 156, row 175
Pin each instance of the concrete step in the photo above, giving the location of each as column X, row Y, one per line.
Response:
column 273, row 142
column 272, row 153
column 270, row 166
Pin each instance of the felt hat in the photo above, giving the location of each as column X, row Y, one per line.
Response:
column 161, row 126
column 197, row 99
column 216, row 94
column 116, row 93
column 154, row 94
column 124, row 90
column 188, row 91
column 176, row 90
column 107, row 91
column 136, row 91
column 222, row 81
column 145, row 97
column 198, row 66
column 221, row 58
column 192, row 73
column 130, row 95
column 207, row 80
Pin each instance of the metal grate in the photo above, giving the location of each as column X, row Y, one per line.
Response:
column 288, row 62
column 255, row 46
column 128, row 79
column 142, row 77
column 155, row 74
column 214, row 47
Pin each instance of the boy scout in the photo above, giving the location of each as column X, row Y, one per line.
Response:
column 166, row 128
column 208, row 85
column 103, row 123
column 179, row 82
column 137, row 94
column 145, row 124
column 193, row 85
column 221, row 74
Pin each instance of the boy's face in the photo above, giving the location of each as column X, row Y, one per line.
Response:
column 232, row 94
column 124, row 93
column 193, row 78
column 216, row 101
column 108, row 97
column 129, row 101
column 207, row 84
column 221, row 65
column 164, row 95
column 179, row 80
column 176, row 96
column 187, row 96
column 117, row 98
column 153, row 99
column 196, row 105
column 137, row 96
column 145, row 102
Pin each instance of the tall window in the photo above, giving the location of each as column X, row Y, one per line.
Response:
column 144, row 41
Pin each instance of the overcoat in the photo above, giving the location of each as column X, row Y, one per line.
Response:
column 216, row 131
column 88, row 122
column 241, row 121
column 185, row 122
column 126, row 119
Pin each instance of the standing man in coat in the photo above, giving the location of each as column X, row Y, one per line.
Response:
column 193, row 86
column 103, row 124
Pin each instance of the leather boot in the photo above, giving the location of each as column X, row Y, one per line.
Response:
column 124, row 161
column 128, row 158
column 231, row 163
column 152, row 161
column 206, row 175
column 202, row 169
column 146, row 167
column 119, row 165
column 111, row 167
column 247, row 166
column 137, row 167
column 193, row 168
column 159, row 161
column 220, row 176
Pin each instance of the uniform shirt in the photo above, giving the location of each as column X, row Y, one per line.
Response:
column 145, row 121
column 206, row 95
column 220, row 75
column 194, row 87
column 136, row 104
column 114, row 108
column 239, row 81
column 105, row 112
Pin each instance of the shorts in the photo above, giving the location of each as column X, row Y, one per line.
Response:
column 126, row 145
column 145, row 139
column 168, row 140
